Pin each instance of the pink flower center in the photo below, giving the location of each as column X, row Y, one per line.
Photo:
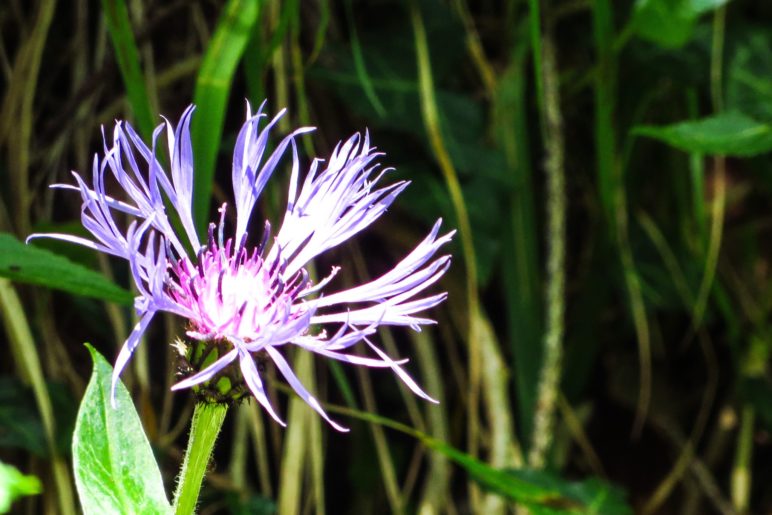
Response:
column 235, row 293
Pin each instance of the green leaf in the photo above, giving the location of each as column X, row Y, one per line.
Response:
column 32, row 265
column 14, row 484
column 115, row 470
column 211, row 96
column 669, row 23
column 731, row 134
column 127, row 56
column 541, row 491
column 749, row 75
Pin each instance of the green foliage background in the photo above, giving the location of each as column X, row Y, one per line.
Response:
column 605, row 346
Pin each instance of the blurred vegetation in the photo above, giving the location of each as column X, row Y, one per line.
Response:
column 607, row 163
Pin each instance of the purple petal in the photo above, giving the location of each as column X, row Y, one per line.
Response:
column 252, row 377
column 128, row 349
column 402, row 374
column 209, row 372
column 296, row 385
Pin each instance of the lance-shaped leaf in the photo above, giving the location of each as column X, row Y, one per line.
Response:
column 115, row 470
column 730, row 134
column 32, row 265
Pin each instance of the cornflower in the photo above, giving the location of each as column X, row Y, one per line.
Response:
column 248, row 301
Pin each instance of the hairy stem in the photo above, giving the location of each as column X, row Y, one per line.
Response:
column 207, row 422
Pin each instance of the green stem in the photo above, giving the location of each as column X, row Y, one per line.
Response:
column 206, row 425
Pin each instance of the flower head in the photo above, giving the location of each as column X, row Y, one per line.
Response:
column 256, row 297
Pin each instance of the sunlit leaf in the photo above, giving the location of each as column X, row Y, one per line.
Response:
column 115, row 470
column 32, row 265
column 731, row 134
column 669, row 23
column 14, row 484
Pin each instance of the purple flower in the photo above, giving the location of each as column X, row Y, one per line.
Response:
column 259, row 298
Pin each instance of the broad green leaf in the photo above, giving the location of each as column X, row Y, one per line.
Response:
column 669, row 23
column 115, row 470
column 127, row 56
column 14, row 484
column 731, row 134
column 29, row 264
column 211, row 96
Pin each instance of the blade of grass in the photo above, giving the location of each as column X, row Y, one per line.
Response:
column 613, row 195
column 237, row 468
column 605, row 91
column 718, row 206
column 127, row 56
column 688, row 450
column 580, row 436
column 503, row 449
column 697, row 176
column 359, row 62
column 534, row 19
column 213, row 85
column 296, row 442
column 431, row 120
column 119, row 26
column 299, row 79
column 321, row 30
column 435, row 494
column 27, row 360
column 388, row 472
column 741, row 468
column 80, row 68
column 521, row 272
column 255, row 62
column 16, row 116
column 741, row 479
column 260, row 48
column 316, row 452
column 687, row 454
column 638, row 309
column 475, row 48
column 257, row 430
